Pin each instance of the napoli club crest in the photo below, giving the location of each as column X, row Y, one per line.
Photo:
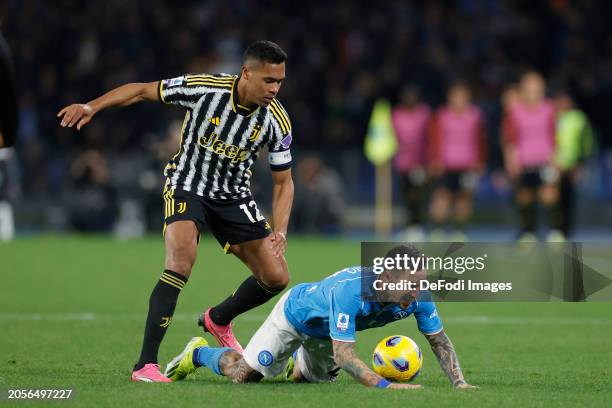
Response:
column 265, row 358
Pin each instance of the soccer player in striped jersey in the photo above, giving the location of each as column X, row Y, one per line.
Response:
column 228, row 120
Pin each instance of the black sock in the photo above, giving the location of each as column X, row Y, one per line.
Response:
column 528, row 214
column 251, row 293
column 414, row 208
column 555, row 217
column 161, row 308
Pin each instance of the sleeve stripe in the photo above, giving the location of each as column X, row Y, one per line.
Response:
column 278, row 118
column 208, row 83
column 283, row 113
column 209, row 78
column 160, row 93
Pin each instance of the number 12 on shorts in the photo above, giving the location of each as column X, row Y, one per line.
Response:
column 258, row 216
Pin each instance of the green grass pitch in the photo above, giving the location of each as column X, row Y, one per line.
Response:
column 72, row 312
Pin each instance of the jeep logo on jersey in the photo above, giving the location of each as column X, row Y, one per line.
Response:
column 211, row 142
column 343, row 321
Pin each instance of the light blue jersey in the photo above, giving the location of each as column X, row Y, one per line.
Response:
column 334, row 308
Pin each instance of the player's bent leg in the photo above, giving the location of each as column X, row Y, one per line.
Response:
column 273, row 343
column 293, row 371
column 270, row 277
column 181, row 247
column 314, row 362
column 226, row 362
column 181, row 240
column 258, row 256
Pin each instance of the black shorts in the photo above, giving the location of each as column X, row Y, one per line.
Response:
column 534, row 177
column 230, row 221
column 455, row 181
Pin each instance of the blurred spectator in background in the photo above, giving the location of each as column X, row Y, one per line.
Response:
column 410, row 120
column 8, row 131
column 358, row 53
column 8, row 101
column 319, row 198
column 575, row 143
column 93, row 205
column 529, row 146
column 457, row 150
column 7, row 194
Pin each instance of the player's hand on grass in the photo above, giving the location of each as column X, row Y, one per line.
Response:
column 464, row 385
column 403, row 386
column 279, row 243
column 77, row 113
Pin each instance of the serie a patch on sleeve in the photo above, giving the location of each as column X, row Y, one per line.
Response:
column 175, row 82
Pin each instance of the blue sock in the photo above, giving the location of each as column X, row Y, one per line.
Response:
column 209, row 357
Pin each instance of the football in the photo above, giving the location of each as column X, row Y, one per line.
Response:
column 397, row 358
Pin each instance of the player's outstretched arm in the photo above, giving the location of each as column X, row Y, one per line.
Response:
column 80, row 114
column 445, row 352
column 345, row 357
column 282, row 200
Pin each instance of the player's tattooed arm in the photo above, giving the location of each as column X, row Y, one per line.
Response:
column 445, row 352
column 345, row 357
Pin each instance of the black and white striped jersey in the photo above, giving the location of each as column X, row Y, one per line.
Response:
column 221, row 139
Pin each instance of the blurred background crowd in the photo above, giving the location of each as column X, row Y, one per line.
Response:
column 343, row 55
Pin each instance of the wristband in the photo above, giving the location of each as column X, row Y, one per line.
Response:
column 282, row 234
column 383, row 383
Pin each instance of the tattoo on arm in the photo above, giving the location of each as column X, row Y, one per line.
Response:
column 445, row 352
column 345, row 357
column 233, row 366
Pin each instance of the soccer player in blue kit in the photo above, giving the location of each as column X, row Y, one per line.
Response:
column 315, row 325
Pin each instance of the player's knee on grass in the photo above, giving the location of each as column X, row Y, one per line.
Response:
column 297, row 375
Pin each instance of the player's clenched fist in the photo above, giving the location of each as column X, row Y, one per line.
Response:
column 77, row 113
